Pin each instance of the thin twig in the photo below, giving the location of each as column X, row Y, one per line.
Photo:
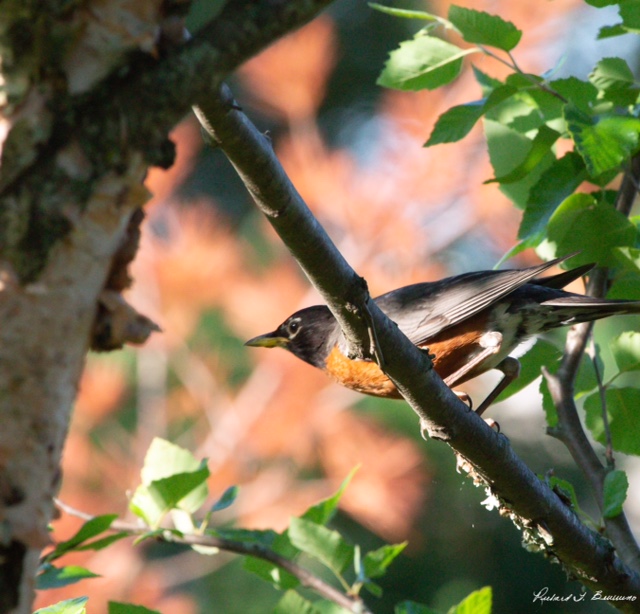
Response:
column 258, row 551
column 591, row 352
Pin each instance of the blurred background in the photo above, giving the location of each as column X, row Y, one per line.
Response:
column 212, row 273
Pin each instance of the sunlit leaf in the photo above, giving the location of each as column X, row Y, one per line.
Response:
column 478, row 602
column 484, row 29
column 424, row 62
column 57, row 577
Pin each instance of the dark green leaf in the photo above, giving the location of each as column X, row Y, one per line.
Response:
column 550, row 412
column 626, row 351
column 56, row 577
column 611, row 31
column 600, row 3
column 614, row 493
column 540, row 146
column 376, row 562
column 116, row 607
column 605, row 143
column 322, row 543
column 630, row 13
column 227, row 499
column 580, row 93
column 99, row 544
column 486, row 82
column 424, row 62
column 478, row 602
column 323, row 512
column 555, row 184
column 279, row 578
column 484, row 29
column 68, row 606
column 454, row 124
column 623, row 409
column 89, row 529
column 293, row 603
column 591, row 227
column 411, row 607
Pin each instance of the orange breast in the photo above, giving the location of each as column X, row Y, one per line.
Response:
column 452, row 349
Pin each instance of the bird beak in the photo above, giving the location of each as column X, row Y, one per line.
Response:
column 269, row 340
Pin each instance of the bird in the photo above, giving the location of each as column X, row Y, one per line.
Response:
column 469, row 323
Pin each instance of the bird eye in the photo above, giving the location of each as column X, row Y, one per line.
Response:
column 294, row 327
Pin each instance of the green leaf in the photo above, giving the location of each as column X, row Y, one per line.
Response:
column 279, row 578
column 614, row 493
column 171, row 477
column 623, row 409
column 68, row 606
column 486, row 82
column 601, row 3
column 565, row 490
column 591, row 227
column 604, row 144
column 151, row 502
column 56, row 577
column 626, row 351
column 404, row 13
column 611, row 31
column 99, row 544
column 454, row 124
column 89, row 529
column 483, row 29
column 411, row 607
column 507, row 150
column 227, row 499
column 116, row 607
column 630, row 13
column 614, row 77
column 376, row 562
column 323, row 512
column 322, row 543
column 555, row 184
column 424, row 62
column 580, row 93
column 611, row 73
column 293, row 603
column 540, row 146
column 478, row 602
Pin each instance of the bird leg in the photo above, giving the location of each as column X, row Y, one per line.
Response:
column 510, row 368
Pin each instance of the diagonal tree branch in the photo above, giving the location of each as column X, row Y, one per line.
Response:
column 546, row 521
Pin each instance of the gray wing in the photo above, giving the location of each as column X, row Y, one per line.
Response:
column 423, row 310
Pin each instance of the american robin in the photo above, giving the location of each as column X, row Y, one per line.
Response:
column 470, row 323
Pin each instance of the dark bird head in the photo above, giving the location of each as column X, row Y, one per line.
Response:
column 309, row 334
